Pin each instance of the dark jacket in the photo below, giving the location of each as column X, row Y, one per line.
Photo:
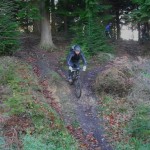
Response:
column 74, row 59
column 107, row 29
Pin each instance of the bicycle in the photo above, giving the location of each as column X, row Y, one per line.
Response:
column 76, row 81
column 110, row 37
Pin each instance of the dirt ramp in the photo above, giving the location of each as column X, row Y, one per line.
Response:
column 115, row 80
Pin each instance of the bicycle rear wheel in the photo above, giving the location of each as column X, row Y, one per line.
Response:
column 78, row 89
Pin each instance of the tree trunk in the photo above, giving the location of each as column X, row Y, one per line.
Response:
column 118, row 24
column 53, row 17
column 26, row 23
column 46, row 36
column 36, row 27
column 65, row 25
column 65, row 19
column 139, row 31
column 115, row 30
column 36, row 23
column 147, row 27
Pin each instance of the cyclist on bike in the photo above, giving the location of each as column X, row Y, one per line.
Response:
column 108, row 30
column 73, row 60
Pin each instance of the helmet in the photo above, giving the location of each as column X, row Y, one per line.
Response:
column 77, row 48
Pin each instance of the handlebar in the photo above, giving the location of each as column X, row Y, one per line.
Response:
column 76, row 69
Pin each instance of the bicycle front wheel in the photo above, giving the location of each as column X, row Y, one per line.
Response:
column 78, row 89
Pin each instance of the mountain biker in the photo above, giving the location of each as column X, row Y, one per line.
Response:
column 108, row 30
column 73, row 60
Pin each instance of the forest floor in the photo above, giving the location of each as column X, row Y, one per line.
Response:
column 80, row 115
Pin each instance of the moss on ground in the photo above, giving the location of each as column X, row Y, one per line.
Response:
column 26, row 111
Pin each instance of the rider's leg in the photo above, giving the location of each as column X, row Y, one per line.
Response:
column 109, row 35
column 74, row 65
column 77, row 66
column 106, row 33
column 70, row 74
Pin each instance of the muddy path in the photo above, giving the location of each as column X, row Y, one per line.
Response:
column 77, row 113
column 80, row 113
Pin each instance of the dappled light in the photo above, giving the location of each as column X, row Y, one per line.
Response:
column 128, row 34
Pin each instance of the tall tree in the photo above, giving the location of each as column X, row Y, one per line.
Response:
column 46, row 35
column 141, row 14
column 89, row 27
column 9, row 34
column 27, row 14
column 36, row 17
column 68, row 12
column 53, row 16
column 142, row 11
column 119, row 9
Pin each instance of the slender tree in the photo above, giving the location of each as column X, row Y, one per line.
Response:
column 53, row 16
column 27, row 14
column 119, row 9
column 89, row 27
column 36, row 17
column 9, row 34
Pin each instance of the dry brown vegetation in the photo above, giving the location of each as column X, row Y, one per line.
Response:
column 124, row 92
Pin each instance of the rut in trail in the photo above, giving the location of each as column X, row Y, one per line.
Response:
column 87, row 110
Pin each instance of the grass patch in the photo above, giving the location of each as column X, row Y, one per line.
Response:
column 55, row 77
column 126, row 117
column 127, row 125
column 75, row 124
column 133, row 144
column 47, row 130
column 139, row 126
column 104, row 57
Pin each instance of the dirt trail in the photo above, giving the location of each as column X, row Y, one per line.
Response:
column 77, row 112
column 81, row 112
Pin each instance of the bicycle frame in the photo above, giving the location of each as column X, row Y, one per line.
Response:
column 75, row 73
column 109, row 35
column 76, row 80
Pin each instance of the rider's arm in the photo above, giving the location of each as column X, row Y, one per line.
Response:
column 69, row 59
column 83, row 59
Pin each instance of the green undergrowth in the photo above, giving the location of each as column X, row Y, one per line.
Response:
column 127, row 124
column 24, row 99
column 126, row 117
